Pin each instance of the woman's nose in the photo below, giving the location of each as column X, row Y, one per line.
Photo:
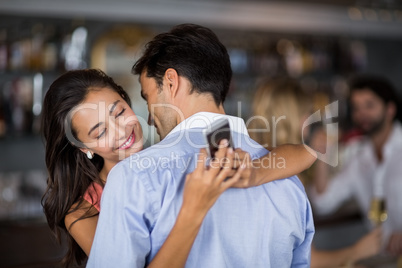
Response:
column 120, row 129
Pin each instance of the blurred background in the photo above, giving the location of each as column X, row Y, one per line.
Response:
column 320, row 43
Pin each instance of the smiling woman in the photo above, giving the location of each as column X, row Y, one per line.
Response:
column 77, row 157
column 107, row 126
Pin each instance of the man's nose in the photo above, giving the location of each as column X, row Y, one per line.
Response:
column 150, row 120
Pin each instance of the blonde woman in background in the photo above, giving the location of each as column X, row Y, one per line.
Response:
column 280, row 108
column 283, row 106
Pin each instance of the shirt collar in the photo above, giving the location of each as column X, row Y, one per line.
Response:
column 394, row 141
column 205, row 119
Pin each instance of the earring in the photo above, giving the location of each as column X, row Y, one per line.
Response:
column 89, row 155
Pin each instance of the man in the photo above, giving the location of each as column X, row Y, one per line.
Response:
column 185, row 76
column 373, row 170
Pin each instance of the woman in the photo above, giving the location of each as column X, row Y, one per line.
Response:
column 89, row 127
column 282, row 98
column 282, row 101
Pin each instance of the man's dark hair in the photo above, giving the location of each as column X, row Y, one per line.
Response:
column 196, row 53
column 379, row 85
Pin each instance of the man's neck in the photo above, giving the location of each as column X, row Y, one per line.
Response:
column 199, row 104
column 380, row 138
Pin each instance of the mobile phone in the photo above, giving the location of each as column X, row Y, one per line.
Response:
column 219, row 130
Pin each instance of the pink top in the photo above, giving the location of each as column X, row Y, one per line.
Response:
column 93, row 195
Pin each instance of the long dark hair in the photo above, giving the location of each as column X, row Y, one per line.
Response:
column 70, row 171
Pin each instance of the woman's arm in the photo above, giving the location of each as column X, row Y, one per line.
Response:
column 83, row 231
column 281, row 162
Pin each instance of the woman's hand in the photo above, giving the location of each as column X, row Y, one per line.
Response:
column 369, row 245
column 205, row 184
column 395, row 244
column 248, row 177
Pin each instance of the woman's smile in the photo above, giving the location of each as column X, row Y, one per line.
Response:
column 128, row 143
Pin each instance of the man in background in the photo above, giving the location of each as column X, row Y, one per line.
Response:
column 373, row 172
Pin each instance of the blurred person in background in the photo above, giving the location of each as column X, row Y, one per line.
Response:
column 285, row 106
column 372, row 172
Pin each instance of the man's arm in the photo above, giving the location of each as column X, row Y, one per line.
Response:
column 338, row 189
column 367, row 246
column 302, row 253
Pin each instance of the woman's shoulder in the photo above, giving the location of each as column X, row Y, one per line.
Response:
column 93, row 195
column 90, row 204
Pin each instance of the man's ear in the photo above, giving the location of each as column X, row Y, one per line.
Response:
column 171, row 81
column 391, row 110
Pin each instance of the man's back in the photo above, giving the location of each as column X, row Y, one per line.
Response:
column 265, row 226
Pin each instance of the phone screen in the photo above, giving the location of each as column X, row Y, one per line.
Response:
column 214, row 138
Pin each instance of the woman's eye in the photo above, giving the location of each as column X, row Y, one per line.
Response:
column 100, row 135
column 122, row 111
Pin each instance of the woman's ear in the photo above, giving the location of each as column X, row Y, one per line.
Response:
column 87, row 152
column 84, row 150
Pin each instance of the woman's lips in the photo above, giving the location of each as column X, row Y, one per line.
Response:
column 129, row 142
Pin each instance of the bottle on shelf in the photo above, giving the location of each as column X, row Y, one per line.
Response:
column 36, row 40
column 3, row 50
column 50, row 49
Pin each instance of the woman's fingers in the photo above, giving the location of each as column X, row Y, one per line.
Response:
column 233, row 180
column 205, row 184
column 241, row 157
column 221, row 171
column 202, row 159
column 227, row 161
column 223, row 146
column 217, row 162
column 227, row 165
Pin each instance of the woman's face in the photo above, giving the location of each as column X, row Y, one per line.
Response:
column 107, row 126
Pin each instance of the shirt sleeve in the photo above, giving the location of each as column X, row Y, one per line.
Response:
column 302, row 253
column 122, row 237
column 340, row 188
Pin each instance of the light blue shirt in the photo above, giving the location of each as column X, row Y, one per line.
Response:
column 265, row 226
